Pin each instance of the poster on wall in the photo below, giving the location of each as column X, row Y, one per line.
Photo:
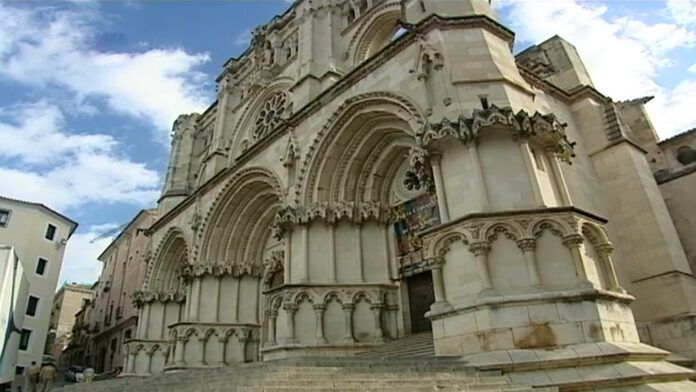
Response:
column 412, row 216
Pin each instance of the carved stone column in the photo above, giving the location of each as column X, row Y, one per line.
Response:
column 272, row 317
column 479, row 178
column 438, row 284
column 358, row 252
column 187, row 304
column 387, row 253
column 195, row 299
column 201, row 350
column 305, row 253
column 146, row 320
column 377, row 314
column 442, row 206
column 149, row 354
column 348, row 313
column 287, row 260
column 164, row 321
column 332, row 252
column 559, row 178
column 131, row 361
column 480, row 250
column 319, row 311
column 179, row 351
column 216, row 300
column 528, row 246
column 222, row 340
column 290, row 309
column 573, row 242
column 604, row 251
column 531, row 172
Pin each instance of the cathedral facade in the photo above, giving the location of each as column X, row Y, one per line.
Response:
column 373, row 169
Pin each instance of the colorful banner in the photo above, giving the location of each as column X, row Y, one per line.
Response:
column 411, row 217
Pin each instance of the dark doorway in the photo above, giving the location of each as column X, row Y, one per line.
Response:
column 420, row 297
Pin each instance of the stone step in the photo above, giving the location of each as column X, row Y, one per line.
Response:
column 608, row 376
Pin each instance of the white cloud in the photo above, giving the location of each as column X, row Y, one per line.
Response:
column 76, row 168
column 80, row 262
column 683, row 11
column 623, row 55
column 42, row 46
column 692, row 68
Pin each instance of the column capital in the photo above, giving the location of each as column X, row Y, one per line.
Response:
column 348, row 306
column 527, row 244
column 319, row 307
column 573, row 240
column 480, row 248
column 604, row 248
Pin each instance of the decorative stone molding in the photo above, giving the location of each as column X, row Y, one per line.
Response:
column 289, row 217
column 344, row 294
column 544, row 129
column 185, row 331
column 143, row 297
column 235, row 269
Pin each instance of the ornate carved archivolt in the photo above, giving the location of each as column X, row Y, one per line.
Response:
column 544, row 129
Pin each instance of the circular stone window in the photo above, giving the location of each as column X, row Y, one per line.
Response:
column 270, row 115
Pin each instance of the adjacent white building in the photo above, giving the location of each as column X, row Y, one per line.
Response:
column 39, row 236
column 14, row 288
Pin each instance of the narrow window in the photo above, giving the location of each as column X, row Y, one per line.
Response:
column 19, row 370
column 50, row 232
column 41, row 266
column 32, row 305
column 484, row 103
column 127, row 334
column 422, row 6
column 24, row 339
column 4, row 218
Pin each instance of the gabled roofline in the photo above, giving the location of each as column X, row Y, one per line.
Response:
column 45, row 208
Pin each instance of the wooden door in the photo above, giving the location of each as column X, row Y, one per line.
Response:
column 420, row 297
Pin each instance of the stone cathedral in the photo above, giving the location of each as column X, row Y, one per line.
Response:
column 374, row 169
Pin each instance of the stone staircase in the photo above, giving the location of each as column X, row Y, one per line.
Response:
column 319, row 374
column 418, row 345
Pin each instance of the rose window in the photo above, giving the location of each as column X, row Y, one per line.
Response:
column 270, row 115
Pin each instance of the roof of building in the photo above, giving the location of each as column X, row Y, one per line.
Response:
column 678, row 136
column 45, row 208
column 130, row 224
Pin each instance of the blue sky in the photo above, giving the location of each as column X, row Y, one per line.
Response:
column 89, row 90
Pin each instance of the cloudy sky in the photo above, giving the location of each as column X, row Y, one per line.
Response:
column 89, row 90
